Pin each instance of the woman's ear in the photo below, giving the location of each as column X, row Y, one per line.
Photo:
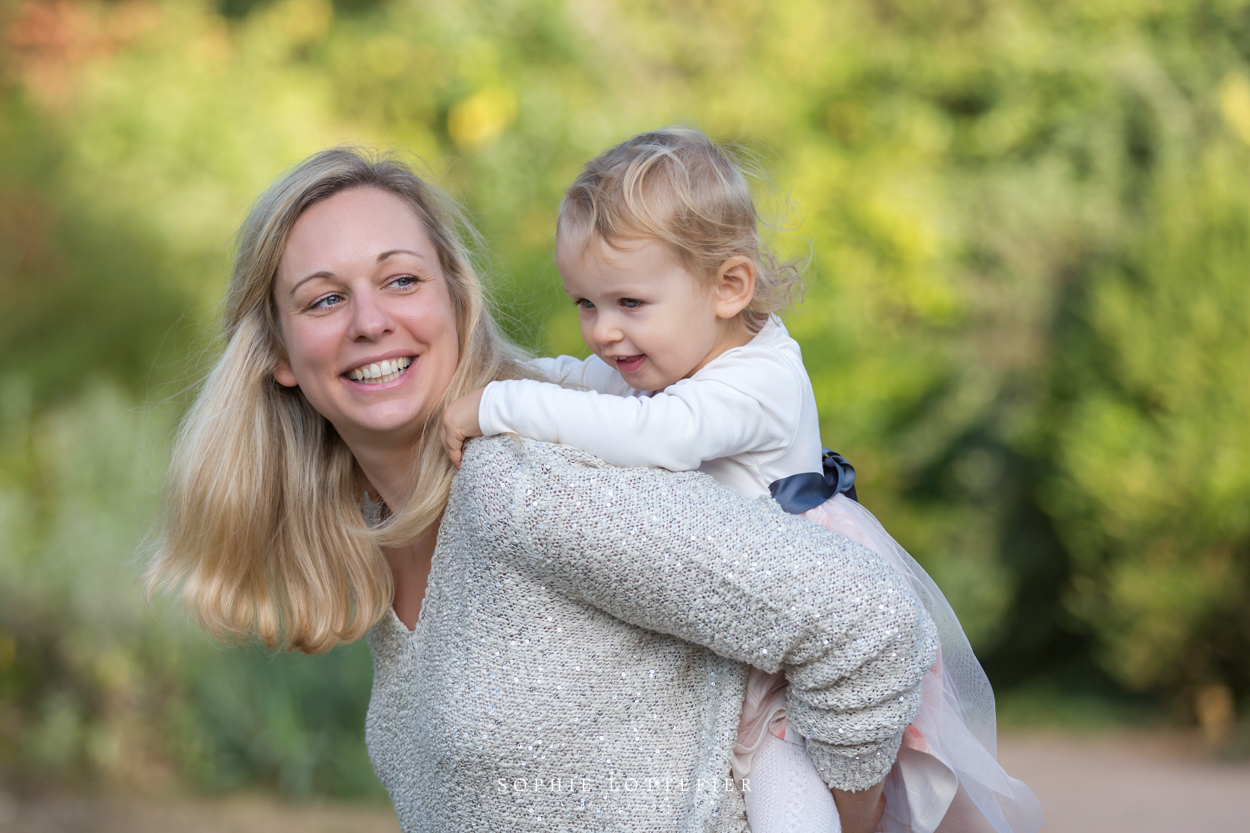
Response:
column 282, row 373
column 735, row 286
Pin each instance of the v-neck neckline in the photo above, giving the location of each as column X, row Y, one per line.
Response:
column 399, row 623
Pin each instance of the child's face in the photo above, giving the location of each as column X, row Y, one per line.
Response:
column 642, row 312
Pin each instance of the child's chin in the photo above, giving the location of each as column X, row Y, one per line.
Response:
column 648, row 381
column 637, row 381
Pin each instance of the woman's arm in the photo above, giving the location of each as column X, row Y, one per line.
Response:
column 745, row 405
column 678, row 554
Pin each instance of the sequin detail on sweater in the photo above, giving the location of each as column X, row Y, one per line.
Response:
column 581, row 655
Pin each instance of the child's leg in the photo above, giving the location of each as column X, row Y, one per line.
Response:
column 785, row 794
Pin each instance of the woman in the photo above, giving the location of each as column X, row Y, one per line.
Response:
column 558, row 644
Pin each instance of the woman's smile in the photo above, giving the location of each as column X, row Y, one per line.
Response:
column 371, row 374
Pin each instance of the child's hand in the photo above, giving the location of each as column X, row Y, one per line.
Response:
column 460, row 423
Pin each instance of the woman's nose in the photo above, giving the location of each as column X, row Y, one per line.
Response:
column 370, row 319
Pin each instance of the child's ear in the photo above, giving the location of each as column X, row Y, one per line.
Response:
column 735, row 286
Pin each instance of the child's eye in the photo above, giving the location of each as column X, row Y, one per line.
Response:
column 583, row 303
column 326, row 301
column 631, row 303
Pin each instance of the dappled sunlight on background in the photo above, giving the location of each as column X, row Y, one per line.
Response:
column 1027, row 320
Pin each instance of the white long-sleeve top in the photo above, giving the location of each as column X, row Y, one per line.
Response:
column 747, row 418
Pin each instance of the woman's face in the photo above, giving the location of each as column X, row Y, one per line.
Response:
column 365, row 315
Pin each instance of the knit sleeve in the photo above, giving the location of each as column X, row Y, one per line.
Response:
column 678, row 554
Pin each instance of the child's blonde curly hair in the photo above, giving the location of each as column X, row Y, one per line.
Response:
column 678, row 186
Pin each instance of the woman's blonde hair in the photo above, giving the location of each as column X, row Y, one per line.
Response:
column 263, row 524
column 679, row 187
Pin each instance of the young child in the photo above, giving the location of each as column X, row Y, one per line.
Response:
column 658, row 247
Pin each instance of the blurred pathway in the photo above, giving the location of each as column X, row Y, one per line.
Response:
column 237, row 814
column 1148, row 783
column 1098, row 783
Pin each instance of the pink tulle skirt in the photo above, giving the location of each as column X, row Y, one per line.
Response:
column 946, row 777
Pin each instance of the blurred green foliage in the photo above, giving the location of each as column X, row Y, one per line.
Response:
column 1026, row 319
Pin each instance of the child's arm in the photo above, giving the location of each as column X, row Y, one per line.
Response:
column 751, row 404
column 460, row 423
column 460, row 420
column 591, row 373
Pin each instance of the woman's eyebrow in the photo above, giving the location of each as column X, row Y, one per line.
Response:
column 305, row 279
column 390, row 252
column 324, row 274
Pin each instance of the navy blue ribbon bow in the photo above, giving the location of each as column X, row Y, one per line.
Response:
column 800, row 492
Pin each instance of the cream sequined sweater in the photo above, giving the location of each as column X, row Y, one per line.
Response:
column 581, row 654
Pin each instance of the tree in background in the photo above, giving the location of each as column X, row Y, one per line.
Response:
column 1154, row 481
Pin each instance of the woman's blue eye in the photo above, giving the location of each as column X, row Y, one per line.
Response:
column 631, row 303
column 410, row 280
column 327, row 301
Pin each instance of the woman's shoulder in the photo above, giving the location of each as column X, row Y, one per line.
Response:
column 502, row 479
column 504, row 457
column 502, row 476
column 496, row 469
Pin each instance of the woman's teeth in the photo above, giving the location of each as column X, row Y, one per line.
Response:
column 380, row 372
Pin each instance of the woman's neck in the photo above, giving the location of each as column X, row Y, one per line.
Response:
column 388, row 467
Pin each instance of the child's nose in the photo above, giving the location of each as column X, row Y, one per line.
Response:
column 606, row 331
